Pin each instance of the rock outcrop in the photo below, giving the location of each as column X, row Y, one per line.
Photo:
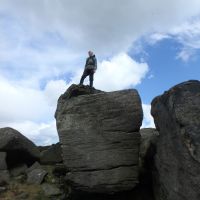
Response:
column 177, row 118
column 99, row 133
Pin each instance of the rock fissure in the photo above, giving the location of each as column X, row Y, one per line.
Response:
column 103, row 169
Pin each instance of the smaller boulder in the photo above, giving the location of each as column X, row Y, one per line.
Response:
column 52, row 155
column 19, row 149
column 36, row 165
column 36, row 176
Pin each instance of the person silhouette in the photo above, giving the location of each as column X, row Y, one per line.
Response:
column 90, row 68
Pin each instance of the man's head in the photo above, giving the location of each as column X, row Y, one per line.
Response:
column 90, row 53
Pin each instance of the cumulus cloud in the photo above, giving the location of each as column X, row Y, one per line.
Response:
column 120, row 72
column 21, row 103
column 148, row 121
column 31, row 111
column 103, row 25
column 53, row 90
column 43, row 45
column 39, row 133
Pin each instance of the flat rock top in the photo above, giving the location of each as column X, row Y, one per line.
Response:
column 77, row 90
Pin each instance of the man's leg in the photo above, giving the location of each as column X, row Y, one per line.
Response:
column 91, row 78
column 85, row 74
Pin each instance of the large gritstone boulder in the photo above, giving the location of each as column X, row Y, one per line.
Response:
column 99, row 133
column 177, row 118
column 18, row 148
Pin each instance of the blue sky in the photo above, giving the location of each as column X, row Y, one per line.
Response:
column 150, row 46
column 166, row 70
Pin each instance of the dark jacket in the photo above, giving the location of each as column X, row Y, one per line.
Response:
column 91, row 63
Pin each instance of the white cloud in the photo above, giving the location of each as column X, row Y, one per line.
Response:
column 43, row 44
column 185, row 54
column 31, row 111
column 148, row 121
column 108, row 27
column 116, row 73
column 39, row 133
column 21, row 103
column 156, row 37
column 120, row 72
column 53, row 90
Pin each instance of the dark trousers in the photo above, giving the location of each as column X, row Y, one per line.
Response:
column 90, row 73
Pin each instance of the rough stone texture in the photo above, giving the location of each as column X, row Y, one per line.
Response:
column 19, row 169
column 59, row 169
column 36, row 176
column 3, row 165
column 36, row 165
column 50, row 190
column 177, row 118
column 52, row 155
column 100, row 138
column 149, row 137
column 19, row 148
column 3, row 189
column 4, row 177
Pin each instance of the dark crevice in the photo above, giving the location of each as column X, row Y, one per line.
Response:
column 17, row 157
column 99, row 169
column 138, row 193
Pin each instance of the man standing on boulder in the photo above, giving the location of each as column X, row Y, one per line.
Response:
column 90, row 68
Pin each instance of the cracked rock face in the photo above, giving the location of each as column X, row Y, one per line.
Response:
column 99, row 133
column 177, row 118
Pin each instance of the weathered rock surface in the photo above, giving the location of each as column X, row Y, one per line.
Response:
column 19, row 169
column 3, row 189
column 177, row 118
column 99, row 133
column 51, row 190
column 36, row 165
column 4, row 177
column 51, row 155
column 36, row 176
column 19, row 149
column 149, row 137
column 3, row 165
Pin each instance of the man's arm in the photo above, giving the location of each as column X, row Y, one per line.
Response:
column 86, row 62
column 95, row 64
